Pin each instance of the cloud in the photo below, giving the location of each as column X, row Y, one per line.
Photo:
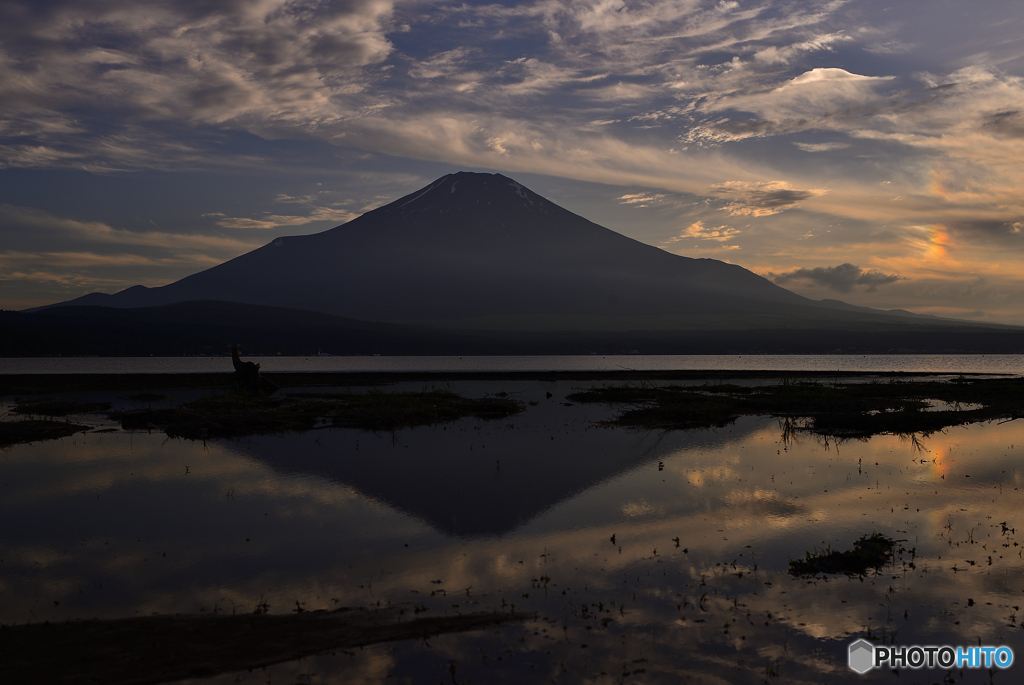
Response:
column 339, row 216
column 1005, row 124
column 715, row 99
column 785, row 54
column 61, row 275
column 761, row 199
column 255, row 65
column 640, row 199
column 103, row 233
column 284, row 198
column 698, row 231
column 843, row 278
column 821, row 147
column 822, row 98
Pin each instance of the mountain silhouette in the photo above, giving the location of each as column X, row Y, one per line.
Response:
column 478, row 251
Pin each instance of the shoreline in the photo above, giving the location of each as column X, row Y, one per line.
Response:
column 17, row 384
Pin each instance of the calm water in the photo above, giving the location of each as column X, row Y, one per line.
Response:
column 942, row 363
column 647, row 556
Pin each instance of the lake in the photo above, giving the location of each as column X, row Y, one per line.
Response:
column 932, row 363
column 643, row 556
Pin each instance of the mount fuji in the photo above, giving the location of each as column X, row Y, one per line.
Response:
column 475, row 251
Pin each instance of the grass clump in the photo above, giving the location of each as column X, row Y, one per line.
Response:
column 870, row 552
column 237, row 414
column 843, row 410
column 223, row 416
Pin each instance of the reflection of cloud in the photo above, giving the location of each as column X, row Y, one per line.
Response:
column 842, row 278
column 709, row 475
column 641, row 508
column 720, row 601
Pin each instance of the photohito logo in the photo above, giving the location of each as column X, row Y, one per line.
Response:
column 864, row 656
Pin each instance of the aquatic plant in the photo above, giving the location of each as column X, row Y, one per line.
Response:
column 843, row 410
column 870, row 552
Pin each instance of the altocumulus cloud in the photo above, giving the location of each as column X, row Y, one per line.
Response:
column 754, row 108
column 761, row 199
column 843, row 278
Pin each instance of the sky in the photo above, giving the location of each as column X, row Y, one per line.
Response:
column 864, row 150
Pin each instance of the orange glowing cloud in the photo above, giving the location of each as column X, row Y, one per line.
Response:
column 940, row 243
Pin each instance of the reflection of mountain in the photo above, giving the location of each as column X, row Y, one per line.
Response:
column 468, row 482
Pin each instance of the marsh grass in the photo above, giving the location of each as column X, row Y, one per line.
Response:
column 237, row 414
column 869, row 553
column 845, row 410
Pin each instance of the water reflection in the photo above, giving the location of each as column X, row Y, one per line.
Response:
column 646, row 556
column 478, row 479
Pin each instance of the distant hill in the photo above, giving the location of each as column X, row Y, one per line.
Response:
column 206, row 328
column 481, row 252
column 209, row 328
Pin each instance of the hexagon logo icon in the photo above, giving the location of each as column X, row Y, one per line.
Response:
column 862, row 656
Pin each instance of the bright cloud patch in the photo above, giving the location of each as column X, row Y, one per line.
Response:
column 700, row 232
column 640, row 199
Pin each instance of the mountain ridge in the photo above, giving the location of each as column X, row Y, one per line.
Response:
column 482, row 251
column 208, row 328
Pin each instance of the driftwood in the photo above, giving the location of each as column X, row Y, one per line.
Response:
column 247, row 375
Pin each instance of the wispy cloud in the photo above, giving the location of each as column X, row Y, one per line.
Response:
column 100, row 232
column 821, row 147
column 268, row 220
column 761, row 199
column 778, row 115
column 640, row 199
